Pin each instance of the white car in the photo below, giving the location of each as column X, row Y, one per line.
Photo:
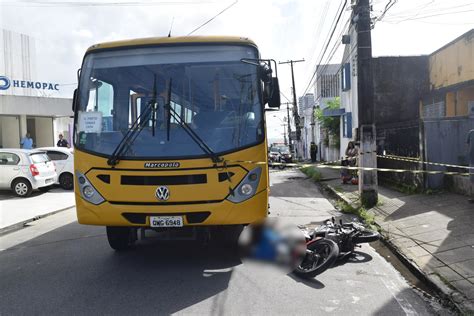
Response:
column 64, row 160
column 24, row 170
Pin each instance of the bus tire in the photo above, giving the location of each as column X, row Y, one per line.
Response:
column 226, row 235
column 120, row 238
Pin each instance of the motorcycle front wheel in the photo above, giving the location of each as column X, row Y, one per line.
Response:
column 366, row 236
column 321, row 256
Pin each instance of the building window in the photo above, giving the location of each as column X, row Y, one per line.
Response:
column 346, row 77
column 347, row 125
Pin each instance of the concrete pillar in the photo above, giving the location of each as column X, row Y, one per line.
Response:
column 23, row 128
column 368, row 158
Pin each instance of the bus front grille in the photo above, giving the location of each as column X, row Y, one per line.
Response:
column 164, row 180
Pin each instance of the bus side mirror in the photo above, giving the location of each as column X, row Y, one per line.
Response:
column 272, row 90
column 74, row 100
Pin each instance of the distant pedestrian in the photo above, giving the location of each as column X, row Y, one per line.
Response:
column 26, row 142
column 62, row 142
column 313, row 151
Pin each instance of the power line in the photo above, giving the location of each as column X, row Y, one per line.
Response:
column 215, row 16
column 318, row 38
column 390, row 4
column 428, row 16
column 333, row 50
column 41, row 3
column 321, row 53
column 409, row 13
column 327, row 44
column 329, row 38
column 319, row 29
column 285, row 96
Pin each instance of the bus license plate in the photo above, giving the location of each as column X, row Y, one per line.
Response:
column 166, row 221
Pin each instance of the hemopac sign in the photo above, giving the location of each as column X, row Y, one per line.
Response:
column 6, row 83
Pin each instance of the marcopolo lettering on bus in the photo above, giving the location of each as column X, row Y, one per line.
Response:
column 6, row 83
column 174, row 164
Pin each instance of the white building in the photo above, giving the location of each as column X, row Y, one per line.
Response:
column 306, row 109
column 26, row 101
column 327, row 88
column 349, row 119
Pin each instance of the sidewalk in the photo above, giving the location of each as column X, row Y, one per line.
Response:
column 16, row 211
column 434, row 232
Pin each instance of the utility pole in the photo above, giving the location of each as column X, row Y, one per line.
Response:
column 284, row 127
column 295, row 105
column 365, row 91
column 284, row 134
column 289, row 125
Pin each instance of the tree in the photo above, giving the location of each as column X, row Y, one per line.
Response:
column 330, row 123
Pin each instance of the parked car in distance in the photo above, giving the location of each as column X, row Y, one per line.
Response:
column 24, row 170
column 279, row 153
column 64, row 160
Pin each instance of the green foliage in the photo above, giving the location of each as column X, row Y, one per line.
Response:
column 361, row 212
column 330, row 123
column 312, row 173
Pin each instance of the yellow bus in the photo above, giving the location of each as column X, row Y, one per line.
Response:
column 170, row 132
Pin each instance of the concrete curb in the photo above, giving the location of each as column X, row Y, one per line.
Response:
column 449, row 296
column 14, row 227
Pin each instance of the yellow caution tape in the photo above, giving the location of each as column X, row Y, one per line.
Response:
column 423, row 162
column 302, row 165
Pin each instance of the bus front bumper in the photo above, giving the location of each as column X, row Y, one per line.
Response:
column 213, row 213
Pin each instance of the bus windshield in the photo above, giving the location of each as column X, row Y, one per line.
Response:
column 212, row 91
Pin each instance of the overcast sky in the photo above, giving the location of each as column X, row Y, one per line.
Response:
column 283, row 29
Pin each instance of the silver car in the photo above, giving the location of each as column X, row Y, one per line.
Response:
column 23, row 171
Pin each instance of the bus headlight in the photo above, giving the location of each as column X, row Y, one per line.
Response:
column 247, row 187
column 87, row 190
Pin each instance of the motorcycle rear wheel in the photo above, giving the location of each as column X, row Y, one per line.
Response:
column 326, row 252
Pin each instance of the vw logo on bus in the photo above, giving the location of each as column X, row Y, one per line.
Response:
column 162, row 193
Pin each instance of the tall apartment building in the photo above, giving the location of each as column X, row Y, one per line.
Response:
column 305, row 102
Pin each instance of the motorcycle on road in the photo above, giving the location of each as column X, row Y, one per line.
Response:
column 330, row 242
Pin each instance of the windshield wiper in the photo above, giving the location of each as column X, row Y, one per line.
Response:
column 135, row 129
column 195, row 137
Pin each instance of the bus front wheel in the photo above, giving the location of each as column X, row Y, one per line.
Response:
column 121, row 238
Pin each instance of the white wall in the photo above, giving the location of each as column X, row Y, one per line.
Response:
column 35, row 106
column 10, row 126
column 349, row 97
column 44, row 131
column 62, row 125
column 306, row 132
column 19, row 61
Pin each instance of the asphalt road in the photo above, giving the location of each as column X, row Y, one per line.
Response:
column 56, row 266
